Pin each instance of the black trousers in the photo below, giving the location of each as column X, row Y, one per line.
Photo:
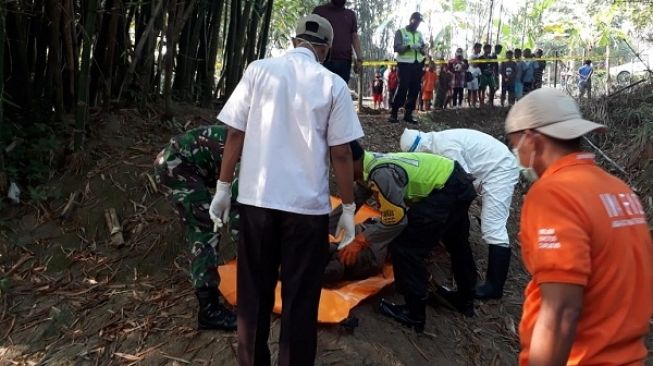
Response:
column 458, row 96
column 341, row 68
column 410, row 84
column 295, row 247
column 440, row 216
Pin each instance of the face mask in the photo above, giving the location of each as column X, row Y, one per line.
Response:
column 527, row 172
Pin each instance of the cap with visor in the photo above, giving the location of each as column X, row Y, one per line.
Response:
column 315, row 29
column 551, row 113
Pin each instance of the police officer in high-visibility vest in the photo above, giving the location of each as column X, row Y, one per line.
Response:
column 423, row 199
column 411, row 52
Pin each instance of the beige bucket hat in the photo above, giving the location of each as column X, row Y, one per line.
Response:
column 550, row 112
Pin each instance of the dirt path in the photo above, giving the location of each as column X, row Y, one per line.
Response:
column 74, row 299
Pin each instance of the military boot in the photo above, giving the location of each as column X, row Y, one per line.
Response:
column 393, row 116
column 408, row 118
column 212, row 315
column 411, row 314
column 454, row 300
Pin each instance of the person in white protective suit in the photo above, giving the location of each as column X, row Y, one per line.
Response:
column 496, row 172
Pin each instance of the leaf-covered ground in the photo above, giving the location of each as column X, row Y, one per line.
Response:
column 71, row 298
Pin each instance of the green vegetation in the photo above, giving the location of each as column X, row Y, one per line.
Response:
column 63, row 60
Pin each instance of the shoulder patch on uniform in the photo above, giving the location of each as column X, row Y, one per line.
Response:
column 391, row 214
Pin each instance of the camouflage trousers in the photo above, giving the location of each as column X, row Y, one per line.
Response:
column 188, row 191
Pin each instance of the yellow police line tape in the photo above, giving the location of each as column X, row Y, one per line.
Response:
column 441, row 62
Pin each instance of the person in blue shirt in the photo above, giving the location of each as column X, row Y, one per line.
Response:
column 518, row 74
column 585, row 79
column 528, row 73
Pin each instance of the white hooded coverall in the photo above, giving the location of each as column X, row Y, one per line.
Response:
column 488, row 160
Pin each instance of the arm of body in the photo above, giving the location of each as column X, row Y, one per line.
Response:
column 343, row 169
column 555, row 327
column 559, row 257
column 343, row 127
column 232, row 150
column 221, row 202
column 358, row 50
column 399, row 46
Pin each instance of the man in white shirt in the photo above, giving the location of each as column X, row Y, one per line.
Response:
column 287, row 116
column 495, row 173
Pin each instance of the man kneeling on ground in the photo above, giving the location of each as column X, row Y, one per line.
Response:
column 422, row 198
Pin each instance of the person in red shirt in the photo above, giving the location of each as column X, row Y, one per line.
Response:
column 457, row 68
column 585, row 241
column 377, row 90
column 393, row 83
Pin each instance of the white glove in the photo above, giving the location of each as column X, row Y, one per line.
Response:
column 220, row 205
column 346, row 224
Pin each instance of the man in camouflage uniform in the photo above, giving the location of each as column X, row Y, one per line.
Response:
column 186, row 168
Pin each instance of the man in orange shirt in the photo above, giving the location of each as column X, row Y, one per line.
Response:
column 585, row 241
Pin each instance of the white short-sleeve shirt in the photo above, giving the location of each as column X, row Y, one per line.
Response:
column 292, row 110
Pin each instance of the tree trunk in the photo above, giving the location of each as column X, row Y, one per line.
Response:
column 69, row 66
column 265, row 30
column 232, row 50
column 146, row 38
column 109, row 61
column 40, row 51
column 176, row 21
column 81, row 111
column 16, row 88
column 98, row 67
column 250, row 46
column 489, row 24
column 182, row 57
column 208, row 78
column 3, row 179
column 198, row 47
column 499, row 25
column 608, row 79
column 170, row 54
column 124, row 47
column 55, row 83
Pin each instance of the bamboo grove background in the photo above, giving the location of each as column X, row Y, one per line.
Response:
column 61, row 57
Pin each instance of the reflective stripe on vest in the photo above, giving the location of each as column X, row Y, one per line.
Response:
column 410, row 39
column 426, row 172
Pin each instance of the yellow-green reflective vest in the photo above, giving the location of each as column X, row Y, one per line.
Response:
column 426, row 172
column 410, row 39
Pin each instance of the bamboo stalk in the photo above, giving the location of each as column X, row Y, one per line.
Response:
column 3, row 176
column 81, row 110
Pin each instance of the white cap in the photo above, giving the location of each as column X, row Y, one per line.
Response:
column 550, row 112
column 409, row 140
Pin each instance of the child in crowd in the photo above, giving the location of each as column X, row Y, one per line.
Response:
column 508, row 72
column 392, row 84
column 468, row 78
column 377, row 90
column 444, row 87
column 473, row 83
column 457, row 68
column 429, row 80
